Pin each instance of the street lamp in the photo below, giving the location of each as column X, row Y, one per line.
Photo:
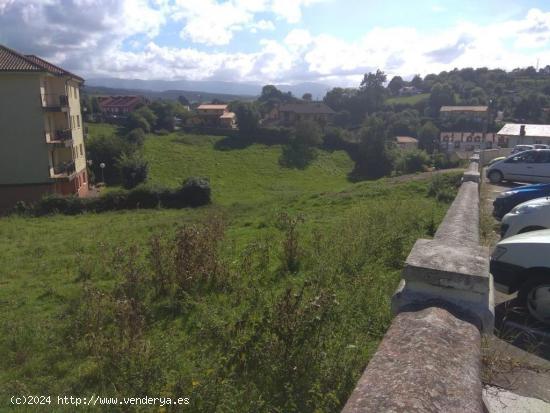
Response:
column 102, row 166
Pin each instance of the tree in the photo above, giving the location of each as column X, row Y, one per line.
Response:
column 183, row 100
column 440, row 95
column 395, row 84
column 137, row 121
column 248, row 119
column 412, row 161
column 374, row 157
column 136, row 137
column 301, row 150
column 417, row 82
column 428, row 136
column 133, row 169
column 370, row 97
column 307, row 96
column 106, row 149
column 339, row 99
column 308, row 133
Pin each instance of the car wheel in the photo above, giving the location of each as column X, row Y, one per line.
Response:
column 495, row 177
column 529, row 229
column 535, row 294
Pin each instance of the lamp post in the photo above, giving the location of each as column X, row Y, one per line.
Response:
column 102, row 166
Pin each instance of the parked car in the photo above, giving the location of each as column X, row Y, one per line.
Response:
column 528, row 166
column 492, row 161
column 529, row 216
column 521, row 148
column 507, row 200
column 522, row 263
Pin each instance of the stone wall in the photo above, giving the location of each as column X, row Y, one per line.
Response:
column 429, row 360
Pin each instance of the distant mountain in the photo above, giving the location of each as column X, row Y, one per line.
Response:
column 192, row 97
column 318, row 90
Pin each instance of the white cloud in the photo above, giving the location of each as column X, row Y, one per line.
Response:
column 116, row 38
column 212, row 22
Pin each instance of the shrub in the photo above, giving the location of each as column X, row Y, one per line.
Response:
column 195, row 191
column 443, row 187
column 106, row 149
column 444, row 161
column 136, row 136
column 52, row 204
column 133, row 169
column 143, row 197
column 411, row 161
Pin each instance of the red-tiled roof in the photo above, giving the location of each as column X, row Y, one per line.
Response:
column 51, row 67
column 12, row 61
column 119, row 101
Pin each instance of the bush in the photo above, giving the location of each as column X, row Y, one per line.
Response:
column 411, row 161
column 106, row 149
column 69, row 205
column 194, row 192
column 444, row 161
column 133, row 170
column 136, row 137
column 443, row 187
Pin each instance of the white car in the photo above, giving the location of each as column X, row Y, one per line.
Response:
column 529, row 216
column 521, row 148
column 522, row 263
column 528, row 166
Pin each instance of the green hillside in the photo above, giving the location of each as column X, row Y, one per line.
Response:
column 292, row 302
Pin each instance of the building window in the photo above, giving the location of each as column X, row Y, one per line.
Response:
column 81, row 151
column 78, row 120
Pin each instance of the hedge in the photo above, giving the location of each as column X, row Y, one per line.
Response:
column 194, row 192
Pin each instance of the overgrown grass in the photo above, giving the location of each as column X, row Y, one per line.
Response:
column 270, row 300
column 411, row 100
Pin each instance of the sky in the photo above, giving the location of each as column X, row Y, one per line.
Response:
column 277, row 41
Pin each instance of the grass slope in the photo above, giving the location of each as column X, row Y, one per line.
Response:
column 411, row 100
column 356, row 234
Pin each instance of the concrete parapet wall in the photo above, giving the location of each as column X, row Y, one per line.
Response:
column 429, row 360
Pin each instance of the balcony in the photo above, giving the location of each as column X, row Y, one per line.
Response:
column 63, row 170
column 54, row 102
column 61, row 138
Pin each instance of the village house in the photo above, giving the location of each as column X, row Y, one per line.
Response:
column 406, row 142
column 513, row 134
column 290, row 113
column 120, row 105
column 216, row 116
column 41, row 130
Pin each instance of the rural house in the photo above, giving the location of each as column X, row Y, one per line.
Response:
column 120, row 105
column 216, row 116
column 406, row 142
column 290, row 113
column 41, row 131
column 513, row 134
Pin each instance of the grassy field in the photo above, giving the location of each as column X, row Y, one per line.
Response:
column 289, row 274
column 411, row 100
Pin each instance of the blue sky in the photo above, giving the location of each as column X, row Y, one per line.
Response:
column 329, row 41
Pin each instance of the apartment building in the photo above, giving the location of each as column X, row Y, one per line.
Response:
column 41, row 132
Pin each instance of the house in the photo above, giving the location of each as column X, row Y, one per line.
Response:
column 290, row 113
column 406, row 142
column 467, row 141
column 216, row 116
column 409, row 91
column 513, row 134
column 120, row 105
column 476, row 117
column 41, row 131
